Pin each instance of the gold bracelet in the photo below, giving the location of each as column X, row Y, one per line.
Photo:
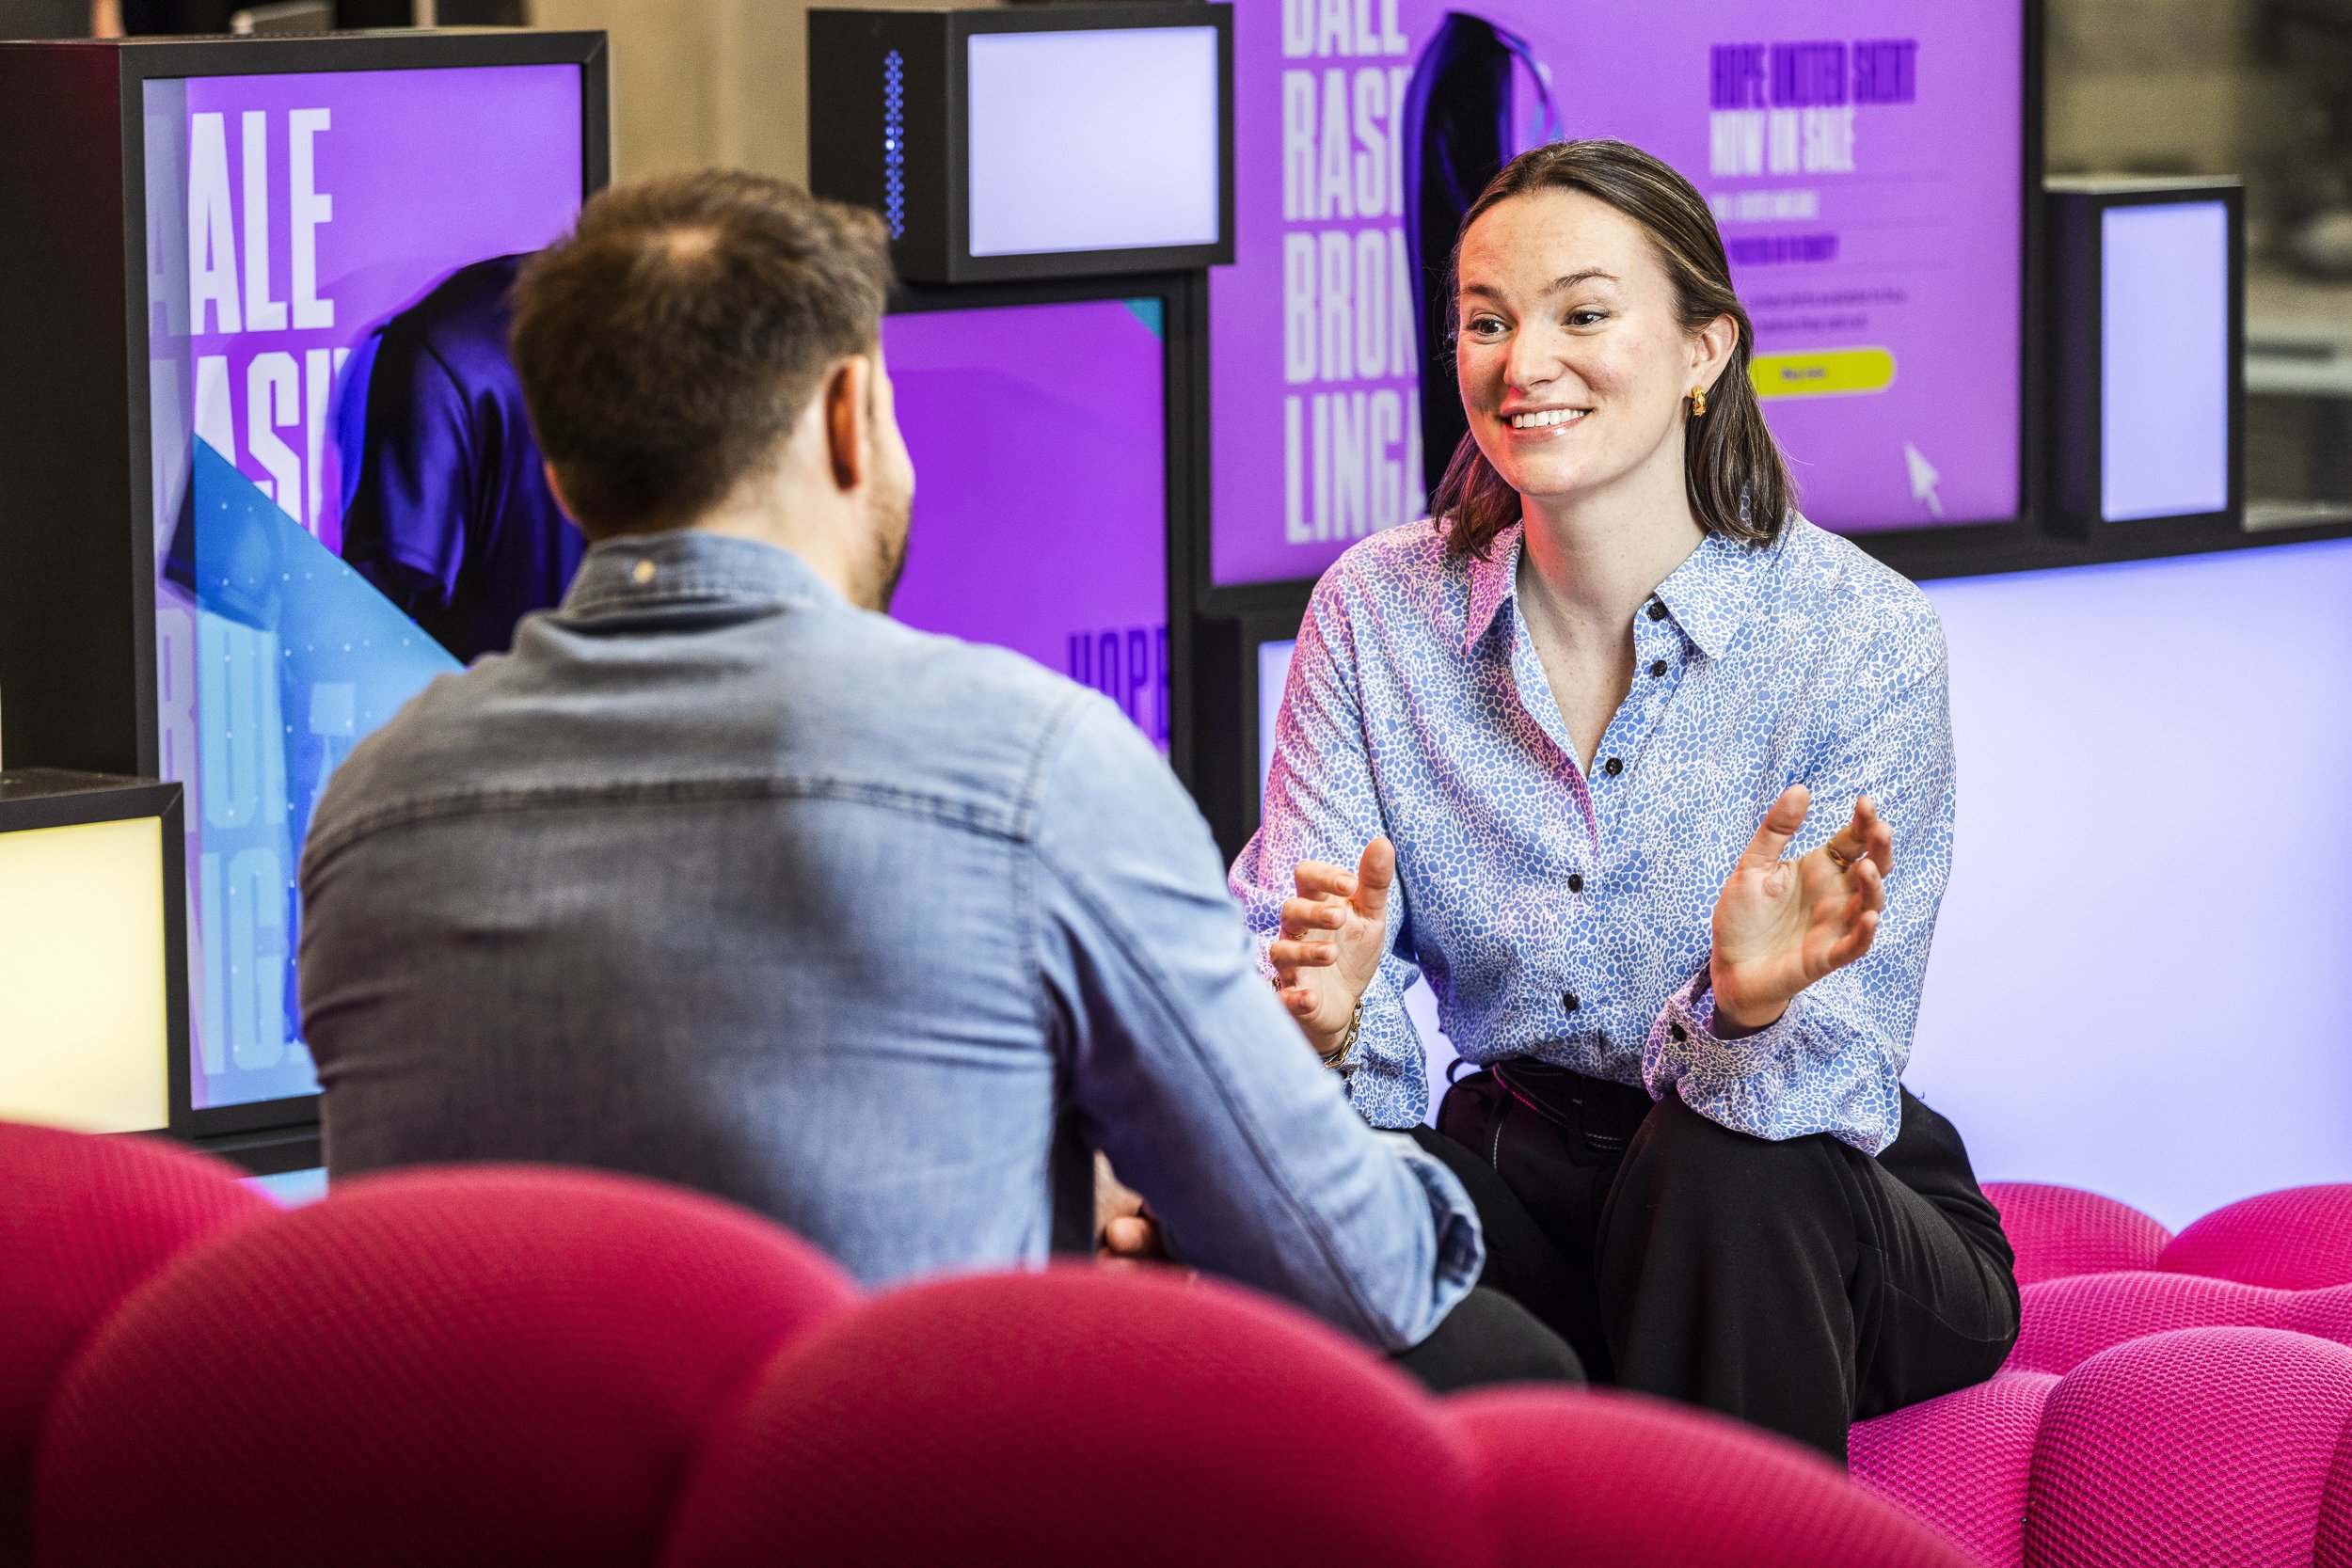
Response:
column 1348, row 1041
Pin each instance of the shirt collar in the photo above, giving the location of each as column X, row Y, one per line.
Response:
column 689, row 566
column 1707, row 595
column 1492, row 578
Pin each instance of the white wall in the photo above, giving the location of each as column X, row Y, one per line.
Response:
column 2142, row 979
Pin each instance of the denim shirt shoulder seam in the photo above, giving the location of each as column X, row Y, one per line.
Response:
column 1237, row 1105
column 952, row 810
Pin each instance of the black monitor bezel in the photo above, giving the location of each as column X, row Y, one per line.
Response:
column 2079, row 455
column 142, row 60
column 965, row 267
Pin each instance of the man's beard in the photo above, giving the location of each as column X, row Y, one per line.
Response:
column 894, row 521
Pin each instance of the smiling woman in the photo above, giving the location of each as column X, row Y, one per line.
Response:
column 1736, row 480
column 1554, row 750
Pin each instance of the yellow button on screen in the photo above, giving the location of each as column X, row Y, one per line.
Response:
column 1821, row 372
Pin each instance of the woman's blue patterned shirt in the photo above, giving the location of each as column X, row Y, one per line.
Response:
column 1568, row 918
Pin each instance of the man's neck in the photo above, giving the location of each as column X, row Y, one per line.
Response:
column 767, row 523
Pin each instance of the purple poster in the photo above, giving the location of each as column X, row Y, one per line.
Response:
column 1864, row 164
column 309, row 235
column 1041, row 506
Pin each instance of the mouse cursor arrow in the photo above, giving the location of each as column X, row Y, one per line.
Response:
column 1923, row 480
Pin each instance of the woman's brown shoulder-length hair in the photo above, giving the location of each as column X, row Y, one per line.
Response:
column 1738, row 482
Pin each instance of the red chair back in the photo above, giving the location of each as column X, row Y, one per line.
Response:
column 487, row 1366
column 84, row 1220
column 1079, row 1418
column 1612, row 1480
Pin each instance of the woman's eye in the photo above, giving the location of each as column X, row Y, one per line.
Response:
column 1484, row 326
column 1587, row 318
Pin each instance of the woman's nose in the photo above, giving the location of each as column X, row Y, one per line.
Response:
column 1535, row 360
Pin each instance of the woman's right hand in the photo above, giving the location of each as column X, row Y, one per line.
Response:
column 1333, row 934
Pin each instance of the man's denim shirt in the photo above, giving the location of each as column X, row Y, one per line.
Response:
column 719, row 879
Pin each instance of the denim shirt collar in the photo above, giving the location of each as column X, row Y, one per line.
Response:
column 1707, row 595
column 687, row 566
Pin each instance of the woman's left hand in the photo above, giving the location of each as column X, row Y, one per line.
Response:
column 1781, row 924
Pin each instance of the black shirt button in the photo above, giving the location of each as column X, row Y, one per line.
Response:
column 1613, row 767
column 1679, row 1032
column 1576, row 881
column 1657, row 610
column 1657, row 669
column 1568, row 1000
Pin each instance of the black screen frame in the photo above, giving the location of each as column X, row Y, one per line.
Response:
column 965, row 267
column 142, row 61
column 2078, row 210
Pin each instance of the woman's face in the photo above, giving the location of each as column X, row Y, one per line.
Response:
column 1574, row 369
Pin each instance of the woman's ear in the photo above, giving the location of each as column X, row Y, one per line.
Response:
column 1711, row 349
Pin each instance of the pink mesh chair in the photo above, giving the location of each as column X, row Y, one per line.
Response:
column 2295, row 1239
column 486, row 1366
column 2333, row 1549
column 1079, row 1416
column 2058, row 1231
column 1597, row 1481
column 1084, row 1418
column 2180, row 1408
column 1963, row 1462
column 2069, row 1320
column 83, row 1221
column 2209, row 1446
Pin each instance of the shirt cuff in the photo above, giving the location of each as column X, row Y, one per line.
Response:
column 1461, row 1246
column 1769, row 1084
column 1684, row 1040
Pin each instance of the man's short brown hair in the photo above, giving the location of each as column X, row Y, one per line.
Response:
column 669, row 345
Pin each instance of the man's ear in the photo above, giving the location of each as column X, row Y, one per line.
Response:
column 555, row 488
column 845, row 415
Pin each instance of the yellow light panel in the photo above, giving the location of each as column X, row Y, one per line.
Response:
column 84, row 1031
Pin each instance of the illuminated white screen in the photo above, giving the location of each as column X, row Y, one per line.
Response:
column 2163, row 360
column 1092, row 140
column 1274, row 674
column 85, row 1039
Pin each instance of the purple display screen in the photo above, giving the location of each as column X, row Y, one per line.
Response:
column 325, row 258
column 1865, row 169
column 1038, row 434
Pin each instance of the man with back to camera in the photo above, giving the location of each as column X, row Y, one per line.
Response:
column 723, row 878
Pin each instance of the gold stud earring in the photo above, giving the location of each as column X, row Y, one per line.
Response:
column 1698, row 402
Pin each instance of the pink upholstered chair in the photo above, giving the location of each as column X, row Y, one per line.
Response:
column 2296, row 1240
column 2058, row 1231
column 2069, row 1320
column 486, row 1366
column 1601, row 1480
column 2201, row 1449
column 1080, row 1417
column 1084, row 1418
column 2333, row 1549
column 1963, row 1463
column 2177, row 1400
column 83, row 1221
